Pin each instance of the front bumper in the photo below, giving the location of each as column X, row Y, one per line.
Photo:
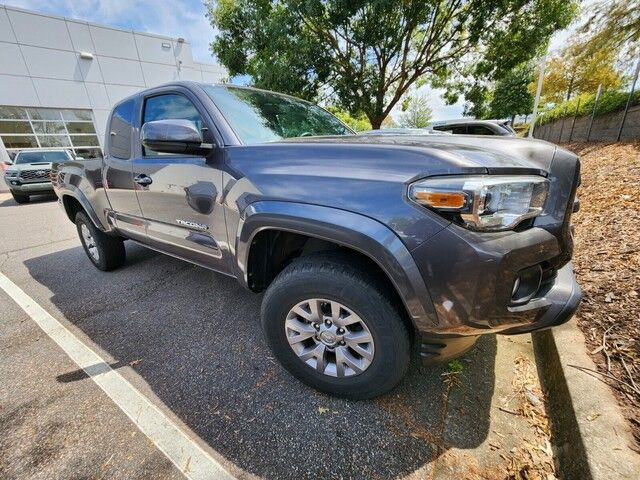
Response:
column 471, row 277
column 28, row 188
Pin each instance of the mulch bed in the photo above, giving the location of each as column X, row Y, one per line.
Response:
column 607, row 262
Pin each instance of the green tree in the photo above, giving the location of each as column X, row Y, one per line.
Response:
column 511, row 95
column 369, row 53
column 614, row 24
column 477, row 100
column 417, row 114
column 579, row 69
column 359, row 123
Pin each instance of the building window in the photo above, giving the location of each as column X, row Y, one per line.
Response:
column 49, row 128
column 22, row 141
column 15, row 126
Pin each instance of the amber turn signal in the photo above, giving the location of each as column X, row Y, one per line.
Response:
column 437, row 199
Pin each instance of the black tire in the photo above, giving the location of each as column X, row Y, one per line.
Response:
column 20, row 198
column 110, row 250
column 335, row 277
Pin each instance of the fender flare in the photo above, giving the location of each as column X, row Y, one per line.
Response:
column 361, row 233
column 77, row 194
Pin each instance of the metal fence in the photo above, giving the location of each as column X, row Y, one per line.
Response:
column 613, row 126
column 616, row 126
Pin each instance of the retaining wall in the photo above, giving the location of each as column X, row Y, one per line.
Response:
column 605, row 128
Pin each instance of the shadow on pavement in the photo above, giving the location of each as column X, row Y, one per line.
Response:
column 10, row 202
column 194, row 337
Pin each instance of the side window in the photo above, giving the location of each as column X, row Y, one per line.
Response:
column 120, row 130
column 479, row 130
column 459, row 130
column 170, row 106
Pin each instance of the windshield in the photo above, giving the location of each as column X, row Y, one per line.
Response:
column 41, row 157
column 261, row 117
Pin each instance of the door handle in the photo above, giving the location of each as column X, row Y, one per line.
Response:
column 143, row 179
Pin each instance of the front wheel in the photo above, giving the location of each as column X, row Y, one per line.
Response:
column 333, row 327
column 104, row 251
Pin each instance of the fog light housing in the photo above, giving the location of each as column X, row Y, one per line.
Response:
column 526, row 284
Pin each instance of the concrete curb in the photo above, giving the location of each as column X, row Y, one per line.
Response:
column 590, row 434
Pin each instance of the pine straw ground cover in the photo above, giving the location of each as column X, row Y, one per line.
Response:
column 607, row 263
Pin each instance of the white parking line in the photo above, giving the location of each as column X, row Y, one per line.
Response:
column 191, row 459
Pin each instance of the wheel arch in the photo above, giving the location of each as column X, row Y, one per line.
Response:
column 73, row 201
column 342, row 228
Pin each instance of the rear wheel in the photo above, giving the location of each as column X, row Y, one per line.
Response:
column 20, row 198
column 333, row 327
column 104, row 251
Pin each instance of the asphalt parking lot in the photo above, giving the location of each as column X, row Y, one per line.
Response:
column 189, row 340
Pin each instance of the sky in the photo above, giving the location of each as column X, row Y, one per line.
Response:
column 186, row 18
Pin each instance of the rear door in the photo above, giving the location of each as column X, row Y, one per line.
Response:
column 180, row 195
column 117, row 175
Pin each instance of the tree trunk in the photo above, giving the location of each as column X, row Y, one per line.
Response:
column 570, row 89
column 376, row 122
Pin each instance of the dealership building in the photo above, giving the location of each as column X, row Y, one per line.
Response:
column 59, row 78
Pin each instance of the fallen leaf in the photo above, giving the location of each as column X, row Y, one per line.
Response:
column 323, row 410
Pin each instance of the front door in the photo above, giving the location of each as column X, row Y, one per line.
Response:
column 118, row 175
column 179, row 195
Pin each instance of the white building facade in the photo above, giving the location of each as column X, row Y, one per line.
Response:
column 59, row 78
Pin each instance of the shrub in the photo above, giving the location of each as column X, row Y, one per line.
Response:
column 582, row 105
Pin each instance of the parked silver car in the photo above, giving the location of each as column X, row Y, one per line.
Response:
column 404, row 131
column 477, row 127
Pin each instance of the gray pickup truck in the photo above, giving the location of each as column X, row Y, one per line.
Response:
column 370, row 249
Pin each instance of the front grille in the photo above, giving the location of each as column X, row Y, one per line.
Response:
column 35, row 175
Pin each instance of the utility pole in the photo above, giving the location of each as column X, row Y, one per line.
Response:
column 629, row 100
column 543, row 63
column 595, row 108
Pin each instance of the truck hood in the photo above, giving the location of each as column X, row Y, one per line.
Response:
column 495, row 154
column 29, row 166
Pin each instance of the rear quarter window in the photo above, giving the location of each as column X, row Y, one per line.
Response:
column 120, row 130
column 480, row 130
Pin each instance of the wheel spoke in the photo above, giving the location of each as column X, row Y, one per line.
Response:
column 357, row 337
column 347, row 320
column 340, row 361
column 316, row 312
column 335, row 313
column 321, row 358
column 298, row 310
column 312, row 352
column 303, row 330
column 348, row 359
column 363, row 352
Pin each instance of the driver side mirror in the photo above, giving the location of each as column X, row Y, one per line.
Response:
column 174, row 136
column 8, row 162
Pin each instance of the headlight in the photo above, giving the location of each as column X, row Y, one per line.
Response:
column 11, row 173
column 483, row 202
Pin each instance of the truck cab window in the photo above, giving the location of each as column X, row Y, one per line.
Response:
column 119, row 132
column 170, row 106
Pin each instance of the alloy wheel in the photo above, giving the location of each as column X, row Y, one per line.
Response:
column 89, row 243
column 329, row 337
